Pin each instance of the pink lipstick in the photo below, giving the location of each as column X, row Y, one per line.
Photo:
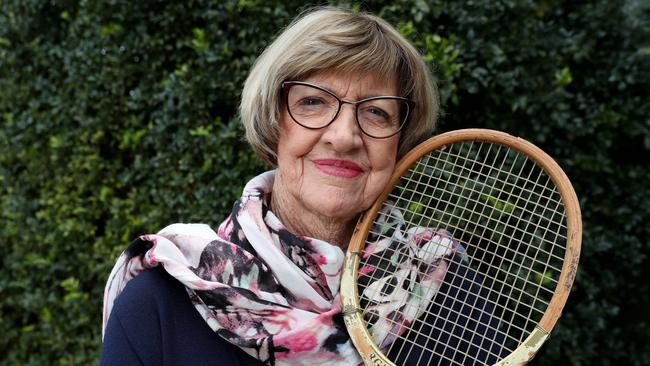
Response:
column 338, row 168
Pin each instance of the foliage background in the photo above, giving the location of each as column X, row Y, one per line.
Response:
column 119, row 117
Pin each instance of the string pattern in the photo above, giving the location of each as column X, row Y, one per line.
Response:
column 508, row 217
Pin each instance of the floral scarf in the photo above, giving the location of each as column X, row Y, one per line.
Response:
column 274, row 294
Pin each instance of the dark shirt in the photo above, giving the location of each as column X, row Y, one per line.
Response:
column 153, row 322
column 460, row 326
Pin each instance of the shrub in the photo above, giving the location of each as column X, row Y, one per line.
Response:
column 120, row 117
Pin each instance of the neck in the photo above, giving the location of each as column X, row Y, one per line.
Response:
column 302, row 221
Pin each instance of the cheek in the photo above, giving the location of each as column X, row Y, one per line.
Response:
column 383, row 154
column 293, row 144
column 383, row 159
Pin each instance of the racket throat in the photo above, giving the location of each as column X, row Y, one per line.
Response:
column 525, row 353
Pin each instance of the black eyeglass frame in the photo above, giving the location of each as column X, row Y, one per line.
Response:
column 288, row 84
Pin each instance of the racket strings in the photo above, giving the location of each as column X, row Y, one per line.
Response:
column 526, row 253
column 509, row 269
column 464, row 283
column 510, row 234
column 535, row 298
column 455, row 194
column 447, row 319
column 482, row 213
column 420, row 223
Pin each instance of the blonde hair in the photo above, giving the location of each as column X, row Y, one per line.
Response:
column 339, row 40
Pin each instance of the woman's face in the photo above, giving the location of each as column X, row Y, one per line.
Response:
column 336, row 171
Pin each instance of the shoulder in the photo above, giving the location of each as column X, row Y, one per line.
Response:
column 136, row 325
column 133, row 334
column 155, row 320
column 151, row 286
column 197, row 230
column 147, row 296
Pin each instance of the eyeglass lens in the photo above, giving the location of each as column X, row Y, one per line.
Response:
column 312, row 107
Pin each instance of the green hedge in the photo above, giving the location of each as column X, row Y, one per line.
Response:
column 119, row 117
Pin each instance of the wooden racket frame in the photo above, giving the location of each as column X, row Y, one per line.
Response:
column 524, row 352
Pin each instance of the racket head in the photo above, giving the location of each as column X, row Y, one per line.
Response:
column 524, row 244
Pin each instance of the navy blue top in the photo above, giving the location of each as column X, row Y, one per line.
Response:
column 153, row 322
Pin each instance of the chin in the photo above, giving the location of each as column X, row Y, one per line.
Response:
column 342, row 212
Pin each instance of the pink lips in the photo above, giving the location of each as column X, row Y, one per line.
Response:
column 338, row 168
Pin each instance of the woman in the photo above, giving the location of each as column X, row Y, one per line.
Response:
column 332, row 103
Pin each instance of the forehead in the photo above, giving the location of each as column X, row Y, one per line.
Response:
column 354, row 85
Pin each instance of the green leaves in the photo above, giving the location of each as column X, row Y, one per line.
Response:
column 118, row 118
column 563, row 77
column 442, row 54
column 501, row 206
column 110, row 29
column 199, row 42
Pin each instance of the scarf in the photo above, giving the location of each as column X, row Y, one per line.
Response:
column 275, row 294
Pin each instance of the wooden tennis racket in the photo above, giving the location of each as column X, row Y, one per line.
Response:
column 468, row 256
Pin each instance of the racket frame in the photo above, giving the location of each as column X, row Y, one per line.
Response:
column 352, row 313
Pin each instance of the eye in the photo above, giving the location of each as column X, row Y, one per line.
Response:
column 377, row 112
column 374, row 115
column 311, row 101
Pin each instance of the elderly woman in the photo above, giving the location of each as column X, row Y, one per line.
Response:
column 332, row 103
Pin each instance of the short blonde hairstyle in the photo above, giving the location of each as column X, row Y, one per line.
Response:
column 332, row 39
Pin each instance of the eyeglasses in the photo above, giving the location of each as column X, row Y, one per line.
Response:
column 314, row 107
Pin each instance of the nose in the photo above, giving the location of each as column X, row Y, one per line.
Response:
column 343, row 134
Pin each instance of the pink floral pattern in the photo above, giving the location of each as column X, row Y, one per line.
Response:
column 274, row 294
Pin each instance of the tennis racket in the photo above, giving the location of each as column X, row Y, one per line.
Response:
column 468, row 256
